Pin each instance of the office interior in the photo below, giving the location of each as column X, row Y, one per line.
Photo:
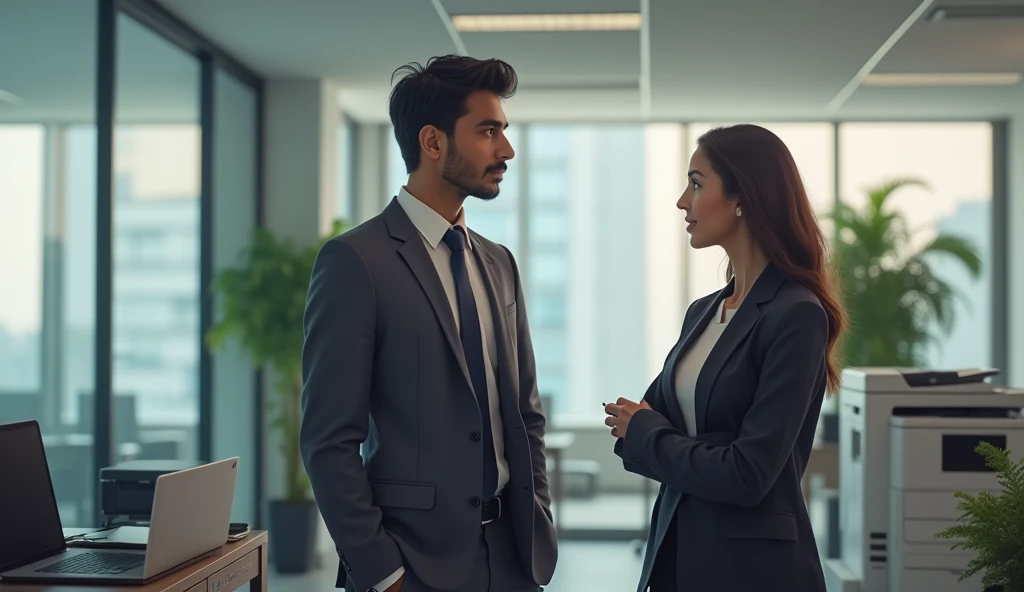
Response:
column 144, row 142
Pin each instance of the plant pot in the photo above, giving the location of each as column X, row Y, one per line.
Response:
column 293, row 527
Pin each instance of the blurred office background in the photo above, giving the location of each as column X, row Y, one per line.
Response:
column 142, row 143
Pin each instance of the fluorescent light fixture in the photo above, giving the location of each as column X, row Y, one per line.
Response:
column 945, row 79
column 491, row 23
column 9, row 97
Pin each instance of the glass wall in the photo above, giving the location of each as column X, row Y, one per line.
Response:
column 584, row 262
column 48, row 235
column 953, row 163
column 587, row 211
column 156, row 247
column 235, row 171
column 22, row 167
column 52, row 271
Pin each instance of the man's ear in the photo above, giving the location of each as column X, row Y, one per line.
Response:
column 433, row 142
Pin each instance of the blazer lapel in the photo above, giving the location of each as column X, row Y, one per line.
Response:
column 416, row 257
column 763, row 290
column 668, row 376
column 501, row 330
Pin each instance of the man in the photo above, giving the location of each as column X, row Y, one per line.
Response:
column 417, row 348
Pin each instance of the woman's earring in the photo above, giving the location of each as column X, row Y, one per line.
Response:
column 739, row 212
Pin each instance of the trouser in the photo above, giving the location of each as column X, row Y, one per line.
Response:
column 496, row 567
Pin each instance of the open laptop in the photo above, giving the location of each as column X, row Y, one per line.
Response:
column 191, row 514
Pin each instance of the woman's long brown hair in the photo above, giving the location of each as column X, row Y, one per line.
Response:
column 757, row 167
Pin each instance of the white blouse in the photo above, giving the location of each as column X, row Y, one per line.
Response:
column 688, row 369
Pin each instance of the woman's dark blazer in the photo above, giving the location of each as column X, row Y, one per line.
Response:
column 734, row 486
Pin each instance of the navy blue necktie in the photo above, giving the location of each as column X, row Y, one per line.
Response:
column 473, row 348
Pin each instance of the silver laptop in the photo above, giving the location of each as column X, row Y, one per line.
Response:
column 190, row 519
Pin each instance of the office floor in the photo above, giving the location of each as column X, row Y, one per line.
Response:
column 590, row 566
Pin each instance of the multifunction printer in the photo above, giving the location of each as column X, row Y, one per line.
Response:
column 906, row 444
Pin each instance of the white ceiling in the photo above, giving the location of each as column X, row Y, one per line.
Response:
column 715, row 60
column 710, row 60
column 54, row 74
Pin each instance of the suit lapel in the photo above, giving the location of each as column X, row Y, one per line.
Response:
column 416, row 257
column 501, row 330
column 691, row 334
column 735, row 333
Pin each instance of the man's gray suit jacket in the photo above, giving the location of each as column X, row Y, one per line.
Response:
column 383, row 369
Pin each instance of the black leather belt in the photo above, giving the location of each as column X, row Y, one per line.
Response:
column 492, row 510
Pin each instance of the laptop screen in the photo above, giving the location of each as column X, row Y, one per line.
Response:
column 28, row 511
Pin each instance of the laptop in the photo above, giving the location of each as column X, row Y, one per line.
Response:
column 190, row 518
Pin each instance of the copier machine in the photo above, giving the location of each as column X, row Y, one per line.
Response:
column 906, row 443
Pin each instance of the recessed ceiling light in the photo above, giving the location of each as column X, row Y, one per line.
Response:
column 945, row 79
column 613, row 21
column 9, row 97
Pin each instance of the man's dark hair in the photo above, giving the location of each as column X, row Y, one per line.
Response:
column 436, row 95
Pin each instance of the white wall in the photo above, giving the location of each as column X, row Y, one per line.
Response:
column 371, row 164
column 300, row 170
column 301, row 183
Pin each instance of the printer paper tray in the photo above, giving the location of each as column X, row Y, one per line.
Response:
column 918, row 558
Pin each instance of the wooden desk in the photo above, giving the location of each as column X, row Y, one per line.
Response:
column 225, row 571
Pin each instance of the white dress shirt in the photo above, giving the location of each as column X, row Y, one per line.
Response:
column 432, row 228
column 689, row 367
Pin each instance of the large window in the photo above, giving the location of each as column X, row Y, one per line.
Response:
column 584, row 262
column 47, row 235
column 156, row 246
column 589, row 211
column 954, row 162
column 55, row 264
column 235, row 174
column 22, row 162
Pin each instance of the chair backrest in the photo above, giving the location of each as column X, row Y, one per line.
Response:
column 126, row 425
column 16, row 407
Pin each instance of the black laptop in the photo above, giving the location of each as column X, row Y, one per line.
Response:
column 192, row 509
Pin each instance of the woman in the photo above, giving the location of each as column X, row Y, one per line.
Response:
column 727, row 427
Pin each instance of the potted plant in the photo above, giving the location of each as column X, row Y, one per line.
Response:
column 891, row 293
column 262, row 303
column 993, row 525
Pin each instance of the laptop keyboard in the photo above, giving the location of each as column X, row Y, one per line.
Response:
column 96, row 563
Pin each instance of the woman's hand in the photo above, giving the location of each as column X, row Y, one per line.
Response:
column 619, row 414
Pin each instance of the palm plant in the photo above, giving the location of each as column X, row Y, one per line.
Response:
column 891, row 292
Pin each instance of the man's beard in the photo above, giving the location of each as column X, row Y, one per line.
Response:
column 460, row 174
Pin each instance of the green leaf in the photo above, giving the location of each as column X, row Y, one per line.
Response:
column 889, row 289
column 992, row 525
